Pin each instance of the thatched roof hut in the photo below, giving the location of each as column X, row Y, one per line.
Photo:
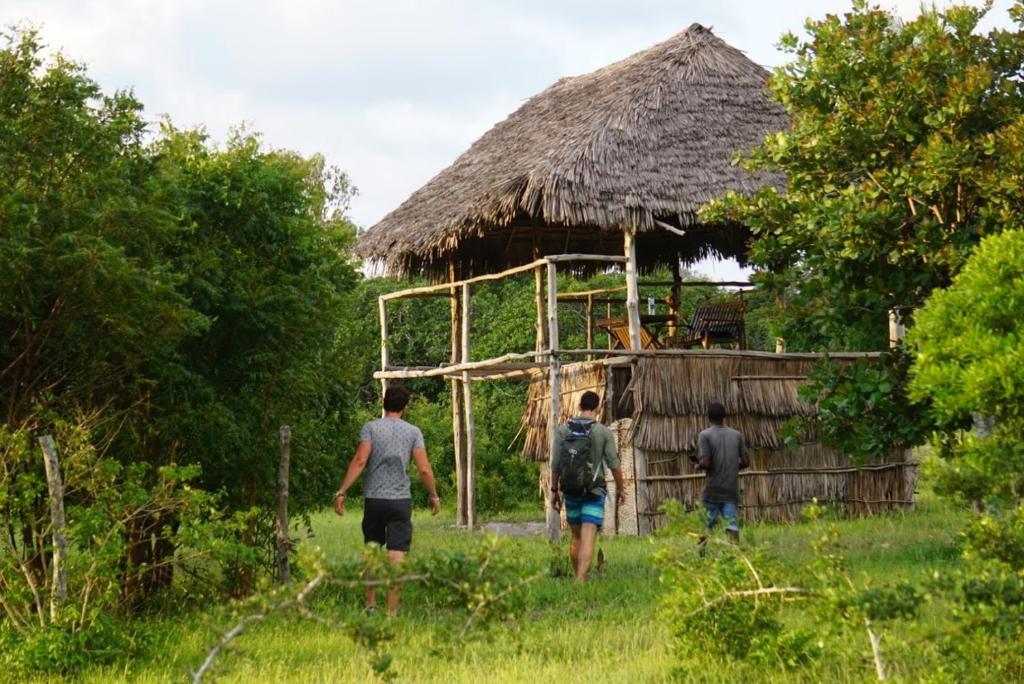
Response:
column 631, row 147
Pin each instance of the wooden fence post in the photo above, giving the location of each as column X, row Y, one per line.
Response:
column 632, row 290
column 60, row 545
column 554, row 520
column 382, row 310
column 284, row 442
column 470, row 426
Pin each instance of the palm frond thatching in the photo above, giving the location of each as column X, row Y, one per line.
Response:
column 651, row 137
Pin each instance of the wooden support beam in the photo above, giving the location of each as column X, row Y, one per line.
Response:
column 590, row 325
column 416, row 291
column 458, row 413
column 673, row 298
column 538, row 296
column 554, row 520
column 382, row 309
column 467, row 398
column 632, row 293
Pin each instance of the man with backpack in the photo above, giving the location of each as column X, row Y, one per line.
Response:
column 583, row 450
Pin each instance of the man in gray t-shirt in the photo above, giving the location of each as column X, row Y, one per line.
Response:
column 722, row 455
column 385, row 447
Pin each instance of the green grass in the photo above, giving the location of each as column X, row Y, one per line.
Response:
column 608, row 630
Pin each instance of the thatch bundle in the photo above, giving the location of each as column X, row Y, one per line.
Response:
column 574, row 380
column 759, row 393
column 647, row 139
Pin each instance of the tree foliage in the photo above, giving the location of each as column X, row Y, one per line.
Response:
column 903, row 150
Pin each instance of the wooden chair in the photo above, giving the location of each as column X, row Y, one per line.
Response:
column 716, row 323
column 619, row 330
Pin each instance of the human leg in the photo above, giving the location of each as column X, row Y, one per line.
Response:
column 399, row 541
column 374, row 532
column 588, row 533
column 712, row 512
column 591, row 520
column 730, row 513
column 395, row 590
column 574, row 546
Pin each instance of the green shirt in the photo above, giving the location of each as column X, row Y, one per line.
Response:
column 602, row 450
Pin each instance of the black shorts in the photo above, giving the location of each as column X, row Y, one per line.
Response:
column 388, row 522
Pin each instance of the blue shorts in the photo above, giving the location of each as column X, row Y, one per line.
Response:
column 584, row 509
column 726, row 510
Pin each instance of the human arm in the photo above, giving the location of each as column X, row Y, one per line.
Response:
column 744, row 461
column 620, row 492
column 419, row 457
column 355, row 469
column 704, row 452
column 611, row 459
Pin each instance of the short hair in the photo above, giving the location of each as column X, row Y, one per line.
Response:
column 396, row 398
column 716, row 412
column 589, row 401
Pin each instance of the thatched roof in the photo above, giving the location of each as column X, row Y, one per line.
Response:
column 649, row 138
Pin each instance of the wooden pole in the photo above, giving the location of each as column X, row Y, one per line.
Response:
column 608, row 314
column 539, row 301
column 897, row 330
column 467, row 397
column 590, row 325
column 632, row 290
column 554, row 521
column 780, row 343
column 60, row 544
column 673, row 304
column 458, row 413
column 382, row 308
column 284, row 443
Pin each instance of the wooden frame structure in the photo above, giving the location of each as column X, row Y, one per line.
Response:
column 462, row 371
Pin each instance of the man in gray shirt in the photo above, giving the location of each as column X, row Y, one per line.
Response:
column 722, row 456
column 385, row 448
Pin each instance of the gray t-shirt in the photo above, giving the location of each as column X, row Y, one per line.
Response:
column 723, row 448
column 387, row 470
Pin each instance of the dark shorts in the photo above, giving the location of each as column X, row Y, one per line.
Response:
column 388, row 522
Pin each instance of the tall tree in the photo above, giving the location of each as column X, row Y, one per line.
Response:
column 899, row 156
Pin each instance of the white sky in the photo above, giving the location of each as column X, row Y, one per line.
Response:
column 391, row 91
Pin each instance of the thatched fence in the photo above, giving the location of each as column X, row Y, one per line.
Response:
column 667, row 399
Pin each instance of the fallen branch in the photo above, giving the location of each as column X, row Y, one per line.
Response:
column 729, row 595
column 233, row 633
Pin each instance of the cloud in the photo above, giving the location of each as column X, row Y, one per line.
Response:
column 392, row 91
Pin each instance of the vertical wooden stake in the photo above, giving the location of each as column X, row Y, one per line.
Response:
column 897, row 330
column 554, row 521
column 384, row 359
column 590, row 325
column 538, row 296
column 284, row 443
column 60, row 544
column 632, row 290
column 673, row 304
column 780, row 343
column 467, row 394
column 458, row 413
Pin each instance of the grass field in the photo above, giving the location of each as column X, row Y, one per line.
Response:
column 608, row 630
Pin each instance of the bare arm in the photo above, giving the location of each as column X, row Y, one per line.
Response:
column 620, row 493
column 419, row 457
column 355, row 469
